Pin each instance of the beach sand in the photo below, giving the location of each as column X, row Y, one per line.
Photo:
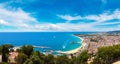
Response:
column 118, row 62
column 75, row 50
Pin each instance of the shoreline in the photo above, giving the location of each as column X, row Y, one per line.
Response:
column 77, row 50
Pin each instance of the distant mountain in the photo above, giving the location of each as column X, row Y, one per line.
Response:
column 114, row 32
column 118, row 31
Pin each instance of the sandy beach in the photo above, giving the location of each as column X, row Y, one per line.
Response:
column 74, row 50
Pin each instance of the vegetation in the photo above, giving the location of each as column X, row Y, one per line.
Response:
column 21, row 58
column 83, row 57
column 4, row 50
column 105, row 55
column 28, row 50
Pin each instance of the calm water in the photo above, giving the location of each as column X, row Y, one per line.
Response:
column 54, row 40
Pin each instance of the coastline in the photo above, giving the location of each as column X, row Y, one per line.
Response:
column 77, row 50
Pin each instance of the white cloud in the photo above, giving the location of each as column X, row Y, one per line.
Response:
column 108, row 23
column 23, row 21
column 24, row 26
column 2, row 22
column 62, row 27
column 100, row 19
column 9, row 2
column 59, row 27
column 15, row 16
column 105, row 16
column 69, row 18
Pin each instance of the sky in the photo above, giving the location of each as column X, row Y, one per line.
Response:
column 59, row 15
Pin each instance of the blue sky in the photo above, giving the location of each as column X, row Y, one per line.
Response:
column 59, row 15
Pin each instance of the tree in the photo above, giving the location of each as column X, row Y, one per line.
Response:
column 34, row 59
column 6, row 48
column 62, row 60
column 4, row 57
column 28, row 49
column 107, row 55
column 5, row 52
column 82, row 58
column 0, row 49
column 21, row 58
column 28, row 61
column 49, row 59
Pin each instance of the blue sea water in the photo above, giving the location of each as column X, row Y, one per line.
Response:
column 54, row 40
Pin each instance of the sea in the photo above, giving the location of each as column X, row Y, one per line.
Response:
column 43, row 41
